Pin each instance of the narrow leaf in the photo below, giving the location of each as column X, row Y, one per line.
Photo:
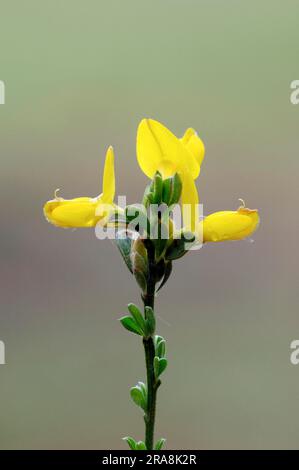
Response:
column 141, row 280
column 124, row 244
column 150, row 321
column 157, row 341
column 131, row 442
column 162, row 365
column 130, row 325
column 140, row 445
column 160, row 443
column 161, row 349
column 137, row 315
column 137, row 397
column 143, row 389
column 156, row 366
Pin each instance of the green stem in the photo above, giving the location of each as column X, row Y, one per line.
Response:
column 149, row 349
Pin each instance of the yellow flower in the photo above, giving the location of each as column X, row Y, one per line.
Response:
column 229, row 225
column 85, row 211
column 158, row 149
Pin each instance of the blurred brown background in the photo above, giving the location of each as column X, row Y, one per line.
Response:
column 79, row 76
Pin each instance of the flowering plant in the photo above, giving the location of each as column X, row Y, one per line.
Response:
column 150, row 237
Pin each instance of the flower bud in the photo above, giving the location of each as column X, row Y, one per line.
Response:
column 172, row 189
column 139, row 261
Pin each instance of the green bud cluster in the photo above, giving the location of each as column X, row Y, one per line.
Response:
column 153, row 231
column 159, row 191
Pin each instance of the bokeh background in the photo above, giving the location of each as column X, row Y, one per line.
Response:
column 79, row 76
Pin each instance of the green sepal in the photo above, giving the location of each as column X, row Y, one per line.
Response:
column 150, row 322
column 137, row 315
column 130, row 324
column 131, row 442
column 159, row 444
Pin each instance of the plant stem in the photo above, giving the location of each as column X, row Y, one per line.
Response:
column 149, row 349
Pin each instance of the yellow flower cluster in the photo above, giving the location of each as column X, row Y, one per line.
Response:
column 158, row 149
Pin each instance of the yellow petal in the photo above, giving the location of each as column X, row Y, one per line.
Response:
column 189, row 201
column 196, row 147
column 85, row 211
column 109, row 177
column 72, row 213
column 158, row 149
column 230, row 225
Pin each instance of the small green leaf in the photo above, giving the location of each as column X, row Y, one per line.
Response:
column 143, row 389
column 140, row 445
column 161, row 349
column 160, row 443
column 150, row 321
column 124, row 244
column 130, row 325
column 162, row 365
column 141, row 280
column 139, row 262
column 138, row 397
column 156, row 366
column 159, row 365
column 137, row 315
column 131, row 442
column 157, row 341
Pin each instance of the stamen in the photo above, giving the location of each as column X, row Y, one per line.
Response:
column 55, row 195
column 242, row 202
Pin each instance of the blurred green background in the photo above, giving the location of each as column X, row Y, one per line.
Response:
column 79, row 76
